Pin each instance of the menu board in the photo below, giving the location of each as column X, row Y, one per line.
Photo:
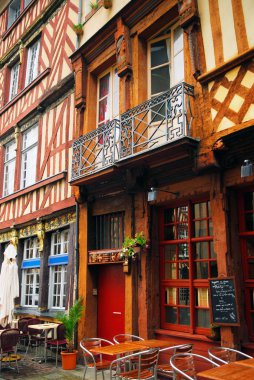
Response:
column 223, row 301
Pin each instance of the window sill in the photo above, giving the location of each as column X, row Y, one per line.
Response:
column 13, row 26
column 37, row 185
column 34, row 311
column 181, row 335
column 25, row 90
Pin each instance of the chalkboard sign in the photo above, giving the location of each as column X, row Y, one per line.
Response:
column 223, row 301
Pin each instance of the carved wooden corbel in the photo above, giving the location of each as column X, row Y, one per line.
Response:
column 123, row 49
column 40, row 232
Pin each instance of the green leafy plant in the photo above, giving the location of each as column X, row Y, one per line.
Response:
column 130, row 243
column 94, row 4
column 78, row 26
column 70, row 320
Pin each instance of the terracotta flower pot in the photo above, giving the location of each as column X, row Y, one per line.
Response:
column 69, row 359
column 107, row 4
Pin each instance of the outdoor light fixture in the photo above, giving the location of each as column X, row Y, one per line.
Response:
column 152, row 193
column 246, row 169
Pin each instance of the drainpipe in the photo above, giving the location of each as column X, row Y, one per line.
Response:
column 79, row 20
column 77, row 252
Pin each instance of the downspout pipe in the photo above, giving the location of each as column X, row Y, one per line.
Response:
column 79, row 20
column 77, row 252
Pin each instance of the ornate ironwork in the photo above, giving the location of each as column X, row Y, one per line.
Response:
column 157, row 121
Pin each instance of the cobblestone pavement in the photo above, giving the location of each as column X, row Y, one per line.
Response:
column 33, row 370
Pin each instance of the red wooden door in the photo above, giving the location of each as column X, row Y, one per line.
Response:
column 111, row 300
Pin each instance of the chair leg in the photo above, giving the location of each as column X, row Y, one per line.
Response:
column 56, row 355
column 84, row 375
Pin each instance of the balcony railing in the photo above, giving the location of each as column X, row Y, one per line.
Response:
column 156, row 122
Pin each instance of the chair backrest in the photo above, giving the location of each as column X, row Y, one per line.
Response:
column 34, row 321
column 149, row 359
column 121, row 338
column 184, row 365
column 9, row 340
column 87, row 343
column 223, row 355
column 60, row 332
column 22, row 324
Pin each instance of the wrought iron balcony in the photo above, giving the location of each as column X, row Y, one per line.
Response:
column 152, row 124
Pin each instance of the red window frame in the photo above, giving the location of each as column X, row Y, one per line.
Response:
column 196, row 280
column 246, row 235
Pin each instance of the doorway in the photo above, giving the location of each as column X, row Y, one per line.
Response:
column 111, row 301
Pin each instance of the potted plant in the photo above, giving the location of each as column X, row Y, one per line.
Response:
column 215, row 332
column 107, row 4
column 70, row 320
column 94, row 4
column 131, row 246
column 78, row 28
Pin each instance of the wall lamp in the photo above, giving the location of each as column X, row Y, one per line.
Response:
column 152, row 193
column 246, row 168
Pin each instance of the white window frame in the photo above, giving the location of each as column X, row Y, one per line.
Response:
column 60, row 285
column 9, row 169
column 31, row 249
column 32, row 62
column 33, row 286
column 169, row 36
column 13, row 12
column 59, row 246
column 30, row 252
column 14, row 80
column 113, row 95
column 26, row 148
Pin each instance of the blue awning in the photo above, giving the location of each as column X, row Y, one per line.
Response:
column 31, row 263
column 58, row 260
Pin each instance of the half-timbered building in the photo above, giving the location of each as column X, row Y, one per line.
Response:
column 164, row 100
column 37, row 208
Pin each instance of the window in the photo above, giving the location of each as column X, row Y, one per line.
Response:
column 9, row 168
column 187, row 260
column 29, row 156
column 30, row 273
column 246, row 210
column 14, row 81
column 32, row 62
column 58, row 261
column 108, row 97
column 166, row 60
column 109, row 230
column 13, row 12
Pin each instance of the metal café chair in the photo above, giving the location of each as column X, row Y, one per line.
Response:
column 185, row 366
column 36, row 338
column 224, row 355
column 23, row 329
column 121, row 338
column 9, row 339
column 146, row 366
column 93, row 362
column 165, row 369
column 59, row 343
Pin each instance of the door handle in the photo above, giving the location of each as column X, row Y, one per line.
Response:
column 117, row 312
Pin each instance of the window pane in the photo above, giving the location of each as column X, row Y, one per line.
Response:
column 248, row 201
column 183, row 252
column 201, row 296
column 171, row 314
column 250, row 246
column 14, row 81
column 184, row 271
column 170, row 252
column 160, row 52
column 184, row 316
column 249, row 222
column 160, row 80
column 251, row 269
column 214, row 269
column 201, row 270
column 13, row 12
column 170, row 270
column 200, row 210
column 202, row 318
column 32, row 62
column 184, row 298
column 169, row 215
column 200, row 228
column 169, row 232
column 201, row 250
column 170, row 296
column 104, row 86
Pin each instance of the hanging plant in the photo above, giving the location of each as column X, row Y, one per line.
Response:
column 78, row 28
column 133, row 245
column 94, row 4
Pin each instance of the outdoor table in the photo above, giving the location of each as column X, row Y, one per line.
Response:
column 154, row 343
column 231, row 371
column 46, row 327
column 118, row 349
column 248, row 362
